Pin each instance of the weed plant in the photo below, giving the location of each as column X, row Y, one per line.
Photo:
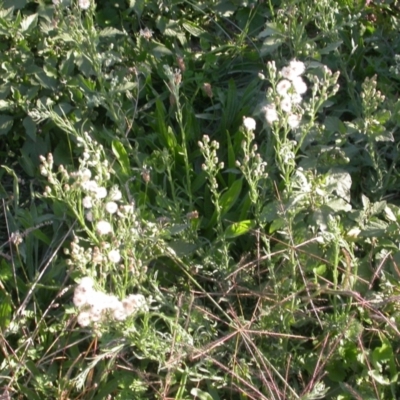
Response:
column 199, row 200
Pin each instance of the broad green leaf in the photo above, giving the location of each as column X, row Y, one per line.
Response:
column 29, row 23
column 30, row 127
column 270, row 30
column 199, row 394
column 6, row 123
column 229, row 198
column 224, row 8
column 4, row 105
column 330, row 47
column 46, row 81
column 374, row 228
column 122, row 156
column 378, row 377
column 239, row 228
column 193, row 29
column 111, row 32
column 182, row 248
column 339, row 181
column 16, row 4
column 270, row 45
column 137, row 6
column 67, row 65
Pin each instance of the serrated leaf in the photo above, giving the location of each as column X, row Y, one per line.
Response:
column 239, row 228
column 29, row 23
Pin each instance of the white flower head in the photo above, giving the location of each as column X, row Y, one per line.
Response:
column 84, row 318
column 283, row 87
column 84, row 4
column 89, row 185
column 133, row 303
column 293, row 121
column 114, row 256
column 87, row 202
column 103, row 227
column 85, row 174
column 293, row 70
column 249, row 123
column 119, row 313
column 111, row 207
column 295, row 98
column 101, row 192
column 86, row 282
column 115, row 194
column 299, row 85
column 89, row 216
column 270, row 113
column 286, row 104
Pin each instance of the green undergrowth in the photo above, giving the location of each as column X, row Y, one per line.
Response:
column 199, row 200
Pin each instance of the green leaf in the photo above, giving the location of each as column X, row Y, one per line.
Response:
column 4, row 105
column 137, row 6
column 168, row 138
column 111, row 32
column 122, row 156
column 200, row 394
column 30, row 127
column 5, row 310
column 29, row 23
column 239, row 228
column 193, row 29
column 330, row 47
column 6, row 123
column 16, row 4
column 375, row 228
column 229, row 198
column 339, row 181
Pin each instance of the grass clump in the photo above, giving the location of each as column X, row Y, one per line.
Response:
column 199, row 200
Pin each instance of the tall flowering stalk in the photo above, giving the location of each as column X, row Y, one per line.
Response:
column 288, row 116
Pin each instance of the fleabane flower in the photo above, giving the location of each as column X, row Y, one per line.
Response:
column 101, row 192
column 114, row 256
column 293, row 121
column 103, row 227
column 293, row 70
column 115, row 194
column 283, row 87
column 87, row 202
column 271, row 114
column 89, row 185
column 286, row 104
column 249, row 123
column 111, row 207
column 299, row 85
column 84, row 4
